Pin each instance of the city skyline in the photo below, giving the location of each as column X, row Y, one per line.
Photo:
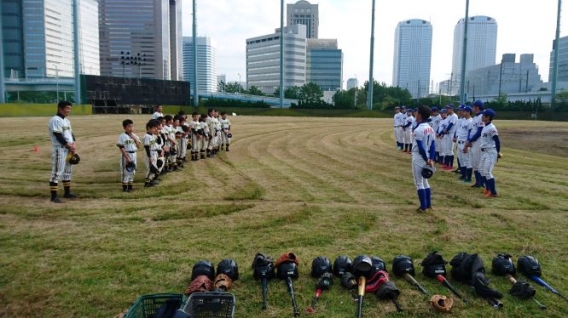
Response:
column 350, row 24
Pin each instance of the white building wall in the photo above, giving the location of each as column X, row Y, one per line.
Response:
column 206, row 63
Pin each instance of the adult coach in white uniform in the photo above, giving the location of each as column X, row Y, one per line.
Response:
column 397, row 132
column 158, row 113
column 63, row 143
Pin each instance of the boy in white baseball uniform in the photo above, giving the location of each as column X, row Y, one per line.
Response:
column 435, row 120
column 396, row 126
column 423, row 150
column 448, row 138
column 462, row 132
column 151, row 148
column 407, row 130
column 63, row 143
column 440, row 135
column 490, row 146
column 226, row 130
column 196, row 135
column 128, row 144
column 472, row 145
column 206, row 137
column 158, row 112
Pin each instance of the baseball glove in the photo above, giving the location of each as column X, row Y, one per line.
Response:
column 442, row 303
column 200, row 284
column 522, row 290
column 348, row 281
column 73, row 158
column 130, row 166
column 223, row 282
column 324, row 282
column 286, row 257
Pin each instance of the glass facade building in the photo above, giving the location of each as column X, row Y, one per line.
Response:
column 38, row 38
column 304, row 13
column 149, row 29
column 481, row 47
column 562, row 60
column 413, row 56
column 206, row 63
column 324, row 64
column 263, row 59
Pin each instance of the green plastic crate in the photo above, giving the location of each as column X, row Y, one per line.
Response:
column 147, row 305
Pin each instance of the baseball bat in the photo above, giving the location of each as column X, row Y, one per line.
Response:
column 291, row 292
column 314, row 301
column 445, row 282
column 264, row 283
column 360, row 294
column 413, row 281
column 539, row 281
column 513, row 280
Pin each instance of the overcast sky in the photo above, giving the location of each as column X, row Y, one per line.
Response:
column 524, row 26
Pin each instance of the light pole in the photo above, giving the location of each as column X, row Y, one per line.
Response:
column 239, row 87
column 355, row 91
column 555, row 66
column 464, row 53
column 371, row 81
column 2, row 88
column 57, row 81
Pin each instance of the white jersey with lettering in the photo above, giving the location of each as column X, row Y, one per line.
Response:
column 225, row 124
column 486, row 140
column 464, row 125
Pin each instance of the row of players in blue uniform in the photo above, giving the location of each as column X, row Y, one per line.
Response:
column 431, row 136
column 166, row 142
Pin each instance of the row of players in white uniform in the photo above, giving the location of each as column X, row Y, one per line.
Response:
column 167, row 140
column 472, row 130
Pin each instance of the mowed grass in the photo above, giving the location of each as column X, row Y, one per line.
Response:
column 313, row 186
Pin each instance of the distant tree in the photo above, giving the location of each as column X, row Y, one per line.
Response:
column 290, row 92
column 310, row 93
column 233, row 87
column 221, row 86
column 253, row 90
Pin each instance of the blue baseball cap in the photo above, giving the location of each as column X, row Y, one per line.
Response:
column 434, row 109
column 489, row 113
column 443, row 111
column 468, row 109
column 478, row 103
column 450, row 106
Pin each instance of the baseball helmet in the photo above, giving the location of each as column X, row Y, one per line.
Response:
column 433, row 265
column 428, row 171
column 228, row 267
column 320, row 265
column 263, row 266
column 403, row 264
column 229, row 135
column 287, row 269
column 378, row 265
column 73, row 158
column 341, row 265
column 362, row 266
column 130, row 166
column 502, row 265
column 528, row 266
column 203, row 267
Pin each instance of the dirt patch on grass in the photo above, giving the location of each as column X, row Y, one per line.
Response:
column 547, row 141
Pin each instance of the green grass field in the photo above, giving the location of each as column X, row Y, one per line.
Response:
column 313, row 186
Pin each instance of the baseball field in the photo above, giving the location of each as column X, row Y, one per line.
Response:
column 312, row 186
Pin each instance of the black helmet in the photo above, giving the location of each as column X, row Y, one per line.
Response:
column 433, row 265
column 203, row 267
column 528, row 266
column 362, row 266
column 287, row 269
column 403, row 264
column 342, row 265
column 502, row 265
column 263, row 266
column 378, row 265
column 320, row 265
column 228, row 267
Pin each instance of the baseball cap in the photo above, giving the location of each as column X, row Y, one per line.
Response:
column 449, row 106
column 489, row 112
column 434, row 109
column 443, row 111
column 478, row 103
column 468, row 109
column 396, row 107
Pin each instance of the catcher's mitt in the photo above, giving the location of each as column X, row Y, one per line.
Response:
column 286, row 257
column 442, row 303
column 160, row 162
column 348, row 281
column 73, row 158
column 130, row 166
column 522, row 290
column 324, row 282
column 200, row 284
column 223, row 282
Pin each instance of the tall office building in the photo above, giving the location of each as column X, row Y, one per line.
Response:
column 562, row 60
column 45, row 49
column 302, row 12
column 324, row 64
column 481, row 47
column 352, row 83
column 413, row 56
column 145, row 29
column 206, row 63
column 263, row 59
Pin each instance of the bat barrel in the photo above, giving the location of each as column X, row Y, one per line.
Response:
column 413, row 281
column 291, row 292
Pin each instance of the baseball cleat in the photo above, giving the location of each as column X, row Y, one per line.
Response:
column 70, row 196
column 56, row 200
column 421, row 210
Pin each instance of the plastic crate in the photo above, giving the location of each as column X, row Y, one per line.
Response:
column 210, row 305
column 147, row 305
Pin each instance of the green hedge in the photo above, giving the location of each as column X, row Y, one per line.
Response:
column 24, row 109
